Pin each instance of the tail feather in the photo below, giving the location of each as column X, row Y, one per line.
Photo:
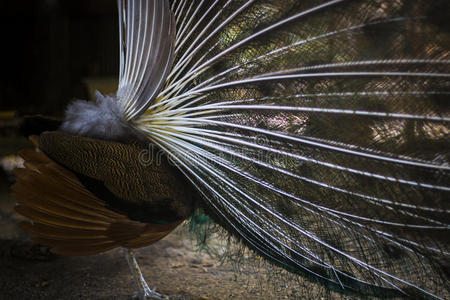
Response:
column 317, row 133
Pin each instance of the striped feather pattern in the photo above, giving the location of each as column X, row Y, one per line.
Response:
column 67, row 217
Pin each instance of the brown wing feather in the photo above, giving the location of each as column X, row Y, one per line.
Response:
column 148, row 233
column 55, row 232
column 69, row 218
column 124, row 176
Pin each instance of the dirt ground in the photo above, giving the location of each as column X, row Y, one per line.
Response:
column 171, row 266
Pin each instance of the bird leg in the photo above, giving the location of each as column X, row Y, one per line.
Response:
column 145, row 292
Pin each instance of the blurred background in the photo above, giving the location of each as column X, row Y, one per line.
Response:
column 53, row 51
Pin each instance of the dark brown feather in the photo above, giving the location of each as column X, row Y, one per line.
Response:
column 52, row 231
column 117, row 174
column 68, row 217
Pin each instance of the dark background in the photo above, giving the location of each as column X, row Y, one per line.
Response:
column 49, row 47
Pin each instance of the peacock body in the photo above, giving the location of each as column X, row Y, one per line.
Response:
column 316, row 132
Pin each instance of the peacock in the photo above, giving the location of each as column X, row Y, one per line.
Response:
column 314, row 132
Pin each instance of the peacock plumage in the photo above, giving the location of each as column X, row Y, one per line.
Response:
column 316, row 132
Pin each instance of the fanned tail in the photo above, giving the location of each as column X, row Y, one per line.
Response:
column 318, row 133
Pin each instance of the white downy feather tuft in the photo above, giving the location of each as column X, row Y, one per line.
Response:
column 102, row 119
